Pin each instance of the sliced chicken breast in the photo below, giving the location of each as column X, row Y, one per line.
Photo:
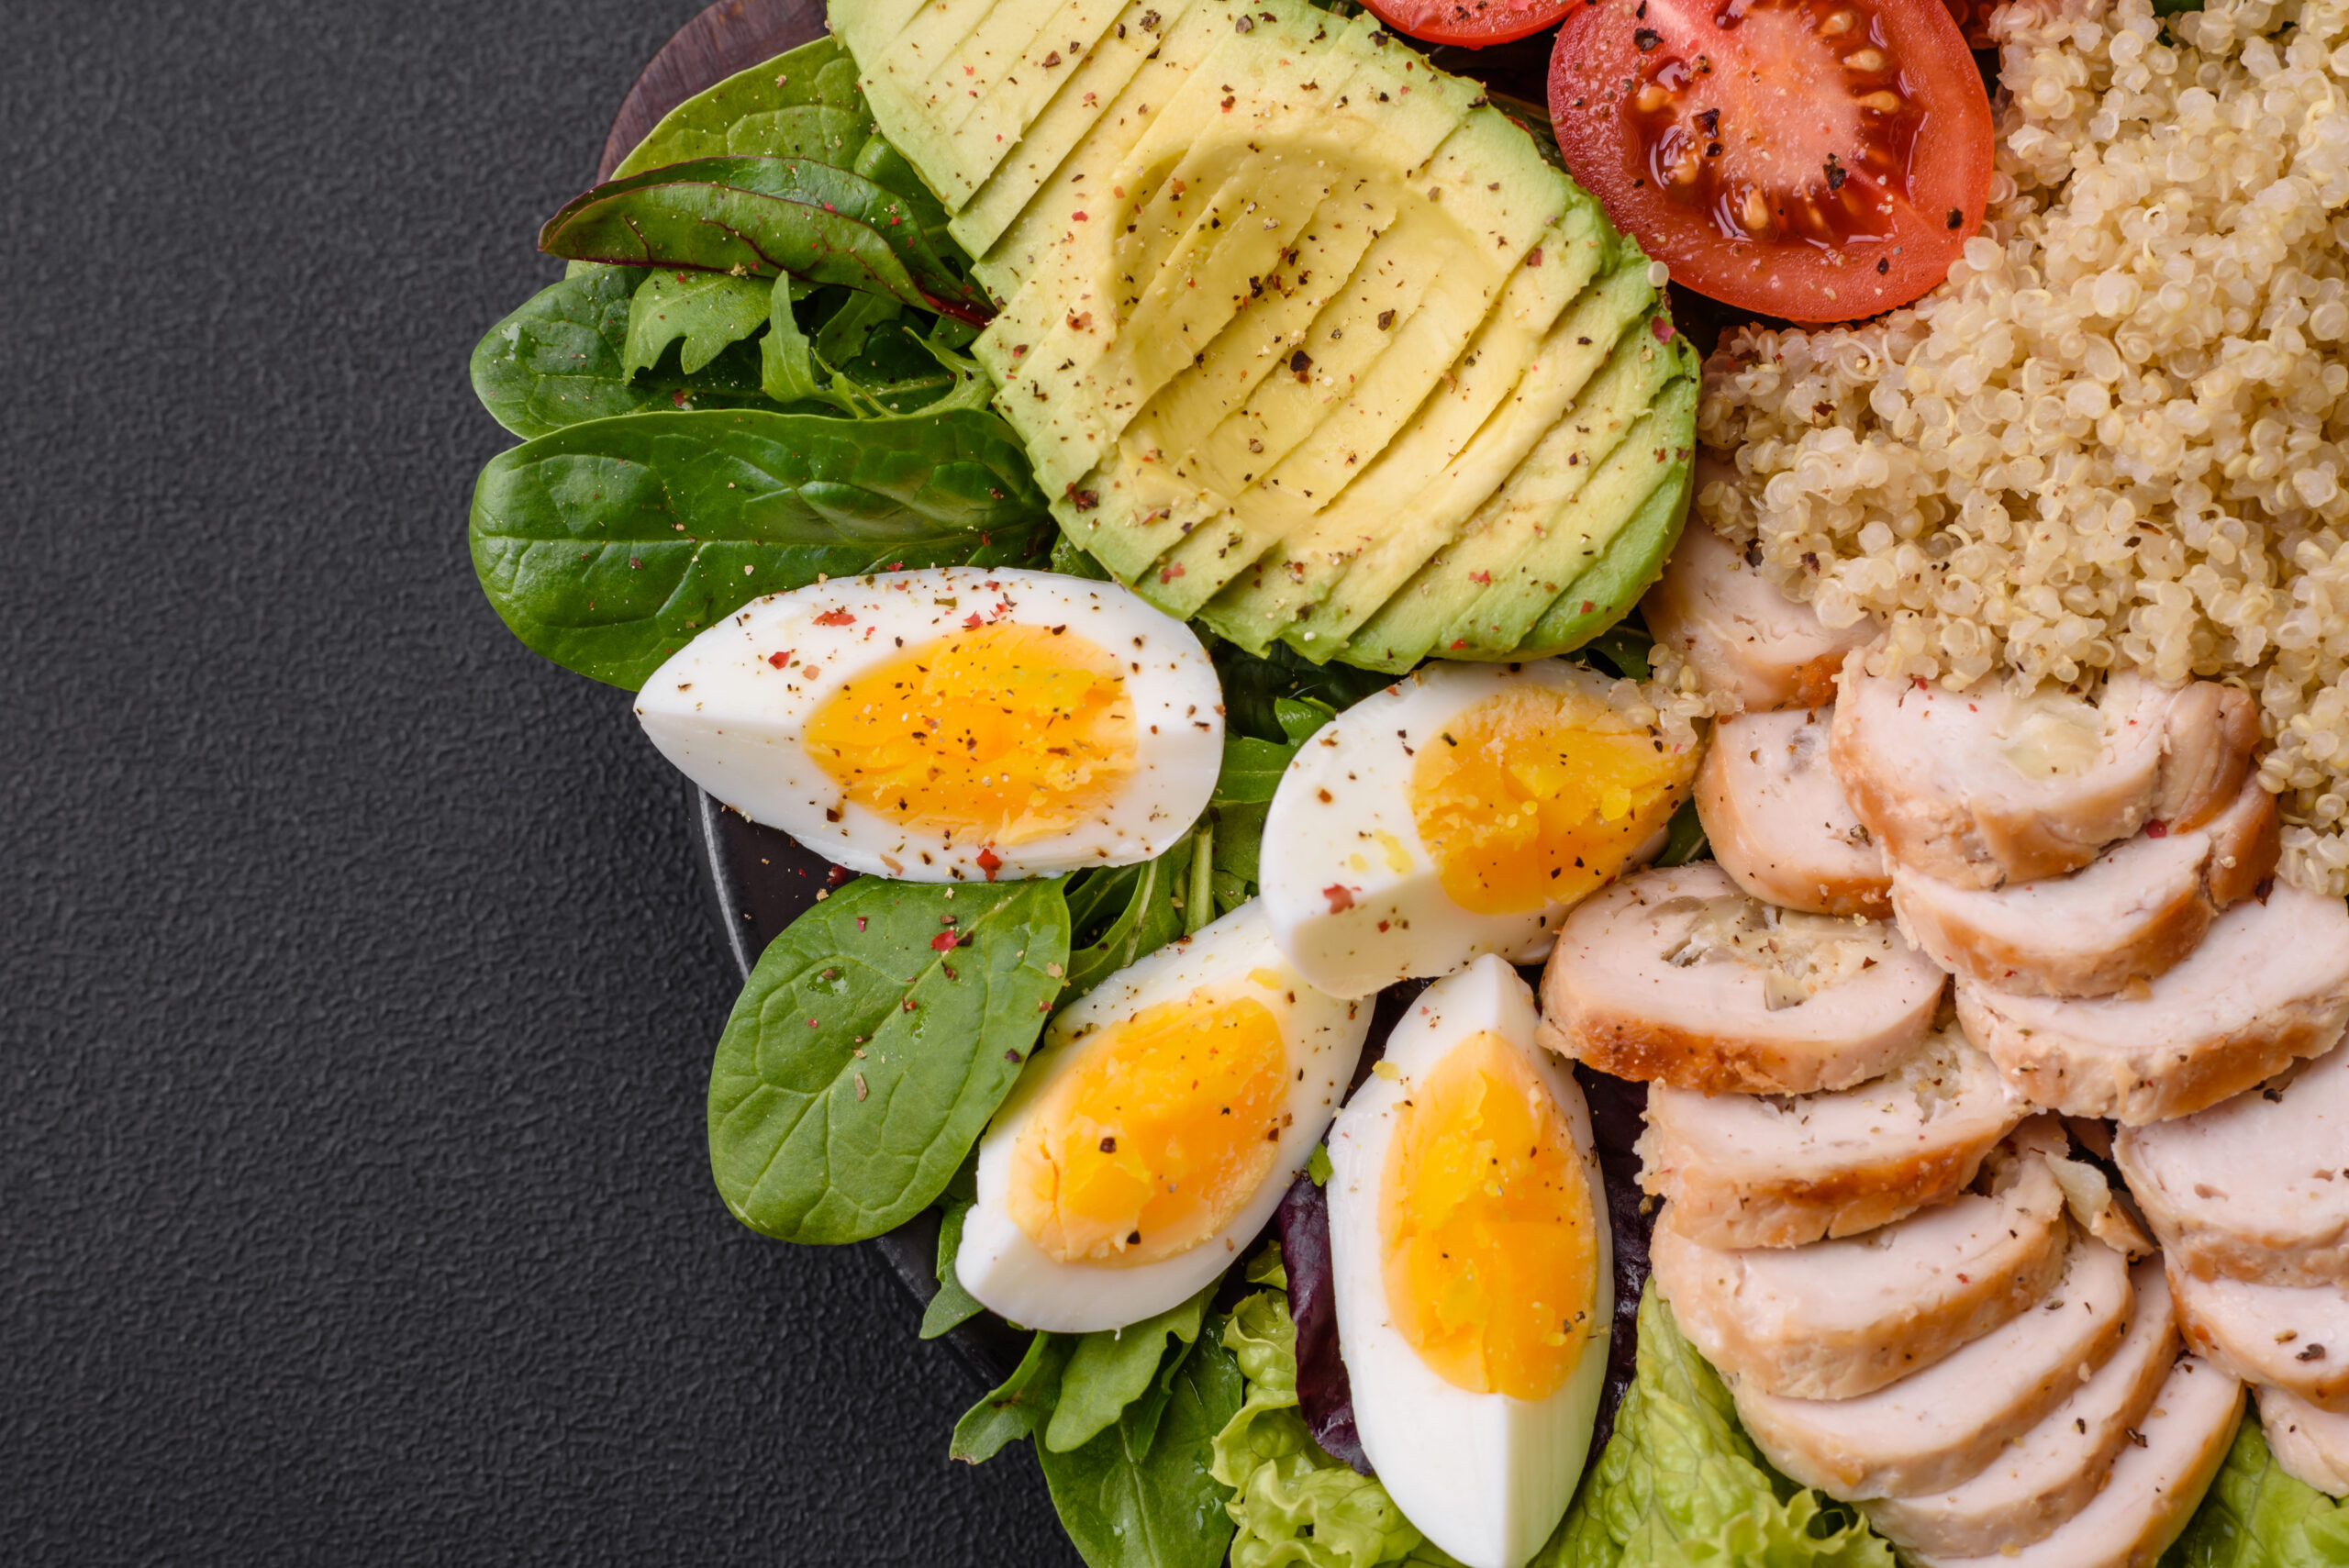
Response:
column 1838, row 1319
column 1749, row 645
column 2269, row 985
column 2153, row 1486
column 2133, row 913
column 2311, row 1445
column 1677, row 976
column 1777, row 821
column 1937, row 1428
column 2051, row 1469
column 1778, row 1170
column 2256, row 1188
column 2295, row 1338
column 1987, row 786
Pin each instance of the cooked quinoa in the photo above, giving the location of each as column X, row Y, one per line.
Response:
column 2115, row 438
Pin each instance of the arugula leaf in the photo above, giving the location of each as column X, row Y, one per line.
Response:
column 755, row 217
column 1015, row 1411
column 1112, row 1369
column 843, row 337
column 952, row 1306
column 862, row 1062
column 606, row 546
column 561, row 360
column 801, row 104
column 2256, row 1516
column 1131, row 1503
column 706, row 310
column 1142, row 905
column 1681, row 1484
column 1251, row 686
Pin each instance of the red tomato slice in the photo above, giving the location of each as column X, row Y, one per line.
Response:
column 1815, row 159
column 1475, row 23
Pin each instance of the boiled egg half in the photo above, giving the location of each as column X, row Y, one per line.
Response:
column 1155, row 1132
column 1473, row 1269
column 949, row 725
column 1462, row 811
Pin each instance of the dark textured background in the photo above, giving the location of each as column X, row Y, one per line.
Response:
column 356, row 990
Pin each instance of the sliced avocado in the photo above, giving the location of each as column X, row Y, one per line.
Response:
column 1360, row 467
column 1366, row 162
column 1210, row 425
column 1108, row 356
column 868, row 27
column 1165, row 306
column 1484, row 227
column 1590, row 491
column 1012, row 76
column 1633, row 561
column 1089, row 124
column 1506, row 392
column 1124, row 224
column 1579, row 527
column 905, row 81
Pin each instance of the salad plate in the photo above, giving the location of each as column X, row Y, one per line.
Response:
column 1512, row 782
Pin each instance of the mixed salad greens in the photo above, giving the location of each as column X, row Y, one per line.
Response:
column 753, row 378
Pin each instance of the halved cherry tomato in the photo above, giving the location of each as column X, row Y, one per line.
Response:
column 1816, row 160
column 1475, row 23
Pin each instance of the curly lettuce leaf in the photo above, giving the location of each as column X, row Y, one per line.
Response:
column 1294, row 1505
column 2258, row 1516
column 1681, row 1485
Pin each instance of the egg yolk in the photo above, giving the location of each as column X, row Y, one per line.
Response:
column 1539, row 796
column 1486, row 1227
column 1150, row 1144
column 1002, row 734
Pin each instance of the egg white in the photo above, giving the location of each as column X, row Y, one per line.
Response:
column 1011, row 1275
column 733, row 721
column 1351, row 889
column 1484, row 1477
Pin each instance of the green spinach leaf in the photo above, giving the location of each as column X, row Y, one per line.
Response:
column 1127, row 1503
column 703, row 312
column 952, row 1306
column 862, row 1061
column 561, row 360
column 1112, row 1371
column 1301, row 718
column 1070, row 560
column 606, row 546
column 1252, row 770
column 804, row 103
column 1015, row 1411
column 764, row 217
